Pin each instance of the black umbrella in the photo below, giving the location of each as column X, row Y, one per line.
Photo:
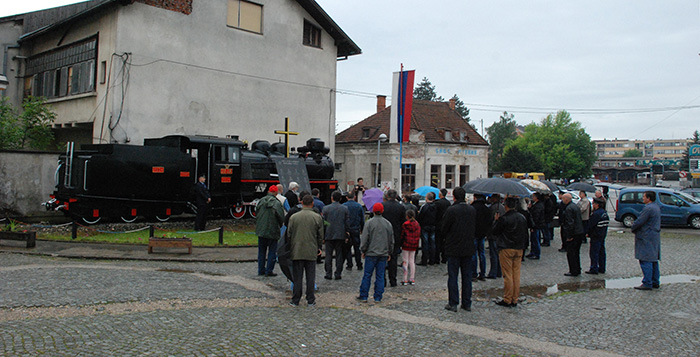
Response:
column 497, row 185
column 552, row 186
column 582, row 186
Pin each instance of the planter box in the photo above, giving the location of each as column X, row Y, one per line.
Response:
column 155, row 242
column 29, row 237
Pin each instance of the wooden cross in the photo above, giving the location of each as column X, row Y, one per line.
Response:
column 286, row 134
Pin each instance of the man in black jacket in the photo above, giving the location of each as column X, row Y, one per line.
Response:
column 427, row 218
column 572, row 233
column 442, row 204
column 511, row 234
column 537, row 212
column 203, row 201
column 484, row 220
column 395, row 213
column 494, row 265
column 458, row 226
column 550, row 210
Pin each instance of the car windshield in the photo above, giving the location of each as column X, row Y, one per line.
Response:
column 688, row 198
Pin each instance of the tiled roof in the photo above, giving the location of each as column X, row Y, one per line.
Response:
column 432, row 118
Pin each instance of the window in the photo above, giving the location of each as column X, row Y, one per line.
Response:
column 245, row 15
column 338, row 167
column 64, row 71
column 365, row 133
column 632, row 197
column 463, row 175
column 233, row 153
column 435, row 174
column 449, row 176
column 408, row 177
column 312, row 35
column 376, row 175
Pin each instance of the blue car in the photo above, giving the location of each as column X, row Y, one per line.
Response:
column 677, row 208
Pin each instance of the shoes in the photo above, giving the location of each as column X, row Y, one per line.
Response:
column 655, row 286
column 466, row 308
column 544, row 245
column 591, row 272
column 291, row 303
column 533, row 257
column 481, row 277
column 261, row 274
column 571, row 274
column 404, row 283
column 422, row 264
column 393, row 285
column 328, row 277
column 311, row 304
column 412, row 282
column 562, row 249
column 503, row 303
column 359, row 266
column 452, row 308
column 338, row 277
column 515, row 304
column 361, row 299
column 271, row 274
column 490, row 277
column 349, row 267
column 642, row 287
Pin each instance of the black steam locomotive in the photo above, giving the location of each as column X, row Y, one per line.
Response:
column 156, row 180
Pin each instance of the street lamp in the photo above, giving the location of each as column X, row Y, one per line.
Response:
column 3, row 82
column 382, row 138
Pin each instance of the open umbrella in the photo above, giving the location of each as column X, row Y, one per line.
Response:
column 423, row 190
column 497, row 185
column 582, row 186
column 372, row 196
column 552, row 186
column 612, row 186
column 534, row 185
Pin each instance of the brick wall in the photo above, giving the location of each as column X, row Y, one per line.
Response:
column 183, row 6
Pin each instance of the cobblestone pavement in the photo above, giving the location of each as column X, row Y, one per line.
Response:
column 60, row 306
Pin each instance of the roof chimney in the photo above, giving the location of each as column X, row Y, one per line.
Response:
column 381, row 103
column 452, row 103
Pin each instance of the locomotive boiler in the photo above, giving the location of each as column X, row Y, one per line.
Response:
column 155, row 180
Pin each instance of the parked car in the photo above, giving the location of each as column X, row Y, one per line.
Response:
column 677, row 208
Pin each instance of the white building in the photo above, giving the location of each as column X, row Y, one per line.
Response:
column 444, row 151
column 123, row 70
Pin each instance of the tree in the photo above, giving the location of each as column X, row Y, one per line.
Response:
column 426, row 91
column 632, row 153
column 561, row 144
column 516, row 160
column 461, row 108
column 686, row 157
column 31, row 129
column 499, row 134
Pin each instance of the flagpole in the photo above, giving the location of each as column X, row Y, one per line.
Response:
column 401, row 124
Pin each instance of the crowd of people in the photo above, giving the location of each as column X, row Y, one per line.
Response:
column 296, row 229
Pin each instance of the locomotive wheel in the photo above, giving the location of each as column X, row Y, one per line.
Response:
column 237, row 211
column 128, row 219
column 251, row 211
column 91, row 220
column 162, row 218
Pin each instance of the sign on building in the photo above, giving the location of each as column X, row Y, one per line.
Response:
column 694, row 158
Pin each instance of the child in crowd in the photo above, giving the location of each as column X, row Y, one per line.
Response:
column 410, row 234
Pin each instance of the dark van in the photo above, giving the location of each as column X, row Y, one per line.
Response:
column 677, row 208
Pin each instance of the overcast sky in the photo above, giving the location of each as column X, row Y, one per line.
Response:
column 612, row 64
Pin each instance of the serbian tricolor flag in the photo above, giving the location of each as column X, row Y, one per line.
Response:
column 402, row 103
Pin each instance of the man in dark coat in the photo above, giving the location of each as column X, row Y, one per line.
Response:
column 510, row 231
column 395, row 213
column 442, row 205
column 484, row 220
column 337, row 235
column 305, row 239
column 597, row 230
column 550, row 210
column 494, row 265
column 537, row 212
column 427, row 218
column 458, row 226
column 292, row 195
column 357, row 223
column 572, row 233
column 647, row 241
column 203, row 201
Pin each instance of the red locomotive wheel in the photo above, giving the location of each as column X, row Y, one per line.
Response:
column 251, row 211
column 237, row 211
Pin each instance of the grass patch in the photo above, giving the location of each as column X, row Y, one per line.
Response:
column 239, row 236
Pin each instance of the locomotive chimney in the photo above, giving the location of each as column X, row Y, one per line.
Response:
column 381, row 103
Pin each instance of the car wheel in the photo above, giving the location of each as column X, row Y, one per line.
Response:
column 695, row 221
column 628, row 220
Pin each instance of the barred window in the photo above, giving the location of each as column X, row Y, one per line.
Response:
column 64, row 71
